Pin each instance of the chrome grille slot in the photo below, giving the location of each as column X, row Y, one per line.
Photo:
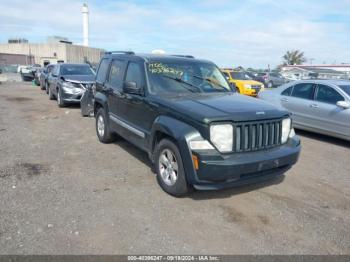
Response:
column 257, row 135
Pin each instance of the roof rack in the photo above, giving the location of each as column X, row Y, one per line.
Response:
column 187, row 56
column 120, row 52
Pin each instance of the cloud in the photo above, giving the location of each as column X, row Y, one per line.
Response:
column 248, row 33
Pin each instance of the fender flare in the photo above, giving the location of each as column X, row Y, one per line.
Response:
column 182, row 133
column 102, row 100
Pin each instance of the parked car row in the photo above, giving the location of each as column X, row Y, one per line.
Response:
column 197, row 131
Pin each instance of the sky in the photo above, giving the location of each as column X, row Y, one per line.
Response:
column 251, row 33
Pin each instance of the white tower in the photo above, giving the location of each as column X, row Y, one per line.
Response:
column 85, row 12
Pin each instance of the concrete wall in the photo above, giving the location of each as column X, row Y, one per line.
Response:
column 15, row 59
column 79, row 54
column 53, row 52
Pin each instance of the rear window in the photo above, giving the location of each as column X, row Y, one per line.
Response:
column 102, row 71
column 345, row 88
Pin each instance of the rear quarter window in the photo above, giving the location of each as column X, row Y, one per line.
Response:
column 288, row 91
column 102, row 70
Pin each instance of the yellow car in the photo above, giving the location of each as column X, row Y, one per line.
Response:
column 245, row 85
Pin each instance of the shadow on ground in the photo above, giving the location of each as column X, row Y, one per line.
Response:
column 199, row 195
column 323, row 138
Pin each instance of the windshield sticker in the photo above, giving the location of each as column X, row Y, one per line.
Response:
column 159, row 68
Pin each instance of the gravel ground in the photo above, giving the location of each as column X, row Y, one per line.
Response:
column 63, row 192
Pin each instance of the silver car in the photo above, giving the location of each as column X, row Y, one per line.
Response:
column 321, row 106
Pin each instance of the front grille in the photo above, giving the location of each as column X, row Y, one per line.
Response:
column 257, row 135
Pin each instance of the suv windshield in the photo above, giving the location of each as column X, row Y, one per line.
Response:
column 346, row 88
column 76, row 70
column 240, row 76
column 185, row 77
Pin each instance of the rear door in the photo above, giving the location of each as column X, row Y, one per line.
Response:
column 298, row 103
column 114, row 89
column 327, row 115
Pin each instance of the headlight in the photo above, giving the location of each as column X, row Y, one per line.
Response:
column 68, row 85
column 247, row 86
column 221, row 135
column 286, row 128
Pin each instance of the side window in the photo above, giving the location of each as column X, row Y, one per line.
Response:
column 304, row 90
column 55, row 70
column 328, row 95
column 135, row 74
column 102, row 71
column 116, row 73
column 288, row 91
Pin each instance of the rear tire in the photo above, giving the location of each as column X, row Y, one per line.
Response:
column 103, row 131
column 169, row 167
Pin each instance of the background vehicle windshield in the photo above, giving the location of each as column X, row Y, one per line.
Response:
column 190, row 77
column 346, row 88
column 240, row 76
column 76, row 70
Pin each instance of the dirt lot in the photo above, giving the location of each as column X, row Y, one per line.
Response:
column 63, row 192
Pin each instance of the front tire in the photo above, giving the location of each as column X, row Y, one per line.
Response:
column 169, row 167
column 47, row 87
column 60, row 101
column 51, row 96
column 103, row 131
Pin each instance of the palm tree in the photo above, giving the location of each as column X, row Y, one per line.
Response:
column 294, row 57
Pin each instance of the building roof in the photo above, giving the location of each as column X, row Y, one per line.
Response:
column 320, row 65
column 317, row 70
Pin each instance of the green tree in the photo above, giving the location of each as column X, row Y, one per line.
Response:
column 294, row 57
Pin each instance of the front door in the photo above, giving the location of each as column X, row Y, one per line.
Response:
column 327, row 115
column 134, row 109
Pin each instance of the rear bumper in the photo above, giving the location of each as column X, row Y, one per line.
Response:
column 218, row 171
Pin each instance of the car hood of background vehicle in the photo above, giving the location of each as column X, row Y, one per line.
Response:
column 207, row 108
column 79, row 78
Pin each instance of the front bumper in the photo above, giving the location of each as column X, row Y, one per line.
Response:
column 219, row 171
column 252, row 91
column 70, row 97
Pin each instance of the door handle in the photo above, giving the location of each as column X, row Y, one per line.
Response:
column 314, row 106
column 284, row 99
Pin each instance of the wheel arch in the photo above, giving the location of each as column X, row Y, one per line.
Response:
column 178, row 132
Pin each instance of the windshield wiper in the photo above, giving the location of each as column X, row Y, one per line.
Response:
column 183, row 82
column 210, row 81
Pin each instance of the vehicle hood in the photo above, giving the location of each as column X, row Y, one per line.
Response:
column 208, row 108
column 247, row 82
column 79, row 78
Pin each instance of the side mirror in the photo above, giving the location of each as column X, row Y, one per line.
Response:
column 343, row 104
column 131, row 88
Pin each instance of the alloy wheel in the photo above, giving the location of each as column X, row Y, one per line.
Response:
column 100, row 126
column 168, row 167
